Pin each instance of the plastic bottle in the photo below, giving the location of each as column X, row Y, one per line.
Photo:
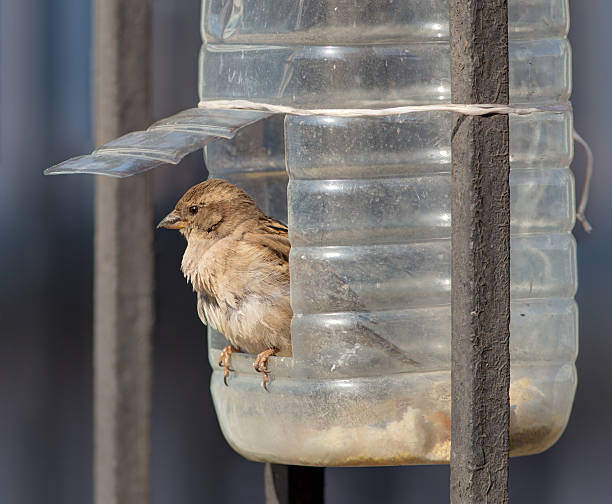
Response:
column 369, row 217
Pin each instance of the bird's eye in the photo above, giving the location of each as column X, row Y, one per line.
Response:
column 193, row 210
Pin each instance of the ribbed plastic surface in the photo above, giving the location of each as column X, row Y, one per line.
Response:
column 369, row 218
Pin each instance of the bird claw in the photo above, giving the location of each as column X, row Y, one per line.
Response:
column 224, row 361
column 261, row 365
column 266, row 378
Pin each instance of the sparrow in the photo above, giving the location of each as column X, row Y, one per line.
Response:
column 237, row 260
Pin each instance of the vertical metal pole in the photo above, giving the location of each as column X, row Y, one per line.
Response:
column 285, row 484
column 480, row 255
column 123, row 292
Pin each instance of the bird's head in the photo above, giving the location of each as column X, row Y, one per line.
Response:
column 211, row 210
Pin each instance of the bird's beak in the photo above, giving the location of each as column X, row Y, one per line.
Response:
column 172, row 221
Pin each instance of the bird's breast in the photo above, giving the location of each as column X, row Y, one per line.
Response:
column 254, row 325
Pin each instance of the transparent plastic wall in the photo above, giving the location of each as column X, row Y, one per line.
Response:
column 369, row 219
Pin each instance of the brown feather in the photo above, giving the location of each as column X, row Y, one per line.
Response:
column 237, row 260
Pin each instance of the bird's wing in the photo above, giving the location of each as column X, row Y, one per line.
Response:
column 340, row 297
column 273, row 226
column 271, row 236
column 274, row 236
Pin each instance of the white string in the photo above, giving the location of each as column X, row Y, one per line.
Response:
column 465, row 109
column 584, row 198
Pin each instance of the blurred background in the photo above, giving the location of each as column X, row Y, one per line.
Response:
column 46, row 277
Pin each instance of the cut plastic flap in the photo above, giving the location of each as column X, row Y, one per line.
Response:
column 165, row 142
column 111, row 165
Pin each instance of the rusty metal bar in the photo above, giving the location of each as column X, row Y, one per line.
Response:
column 285, row 484
column 480, row 255
column 123, row 292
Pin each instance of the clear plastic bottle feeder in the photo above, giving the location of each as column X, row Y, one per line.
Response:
column 368, row 207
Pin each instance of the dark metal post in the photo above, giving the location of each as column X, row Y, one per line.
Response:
column 123, row 315
column 286, row 484
column 480, row 255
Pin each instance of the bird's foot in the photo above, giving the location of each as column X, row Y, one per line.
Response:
column 224, row 360
column 261, row 365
